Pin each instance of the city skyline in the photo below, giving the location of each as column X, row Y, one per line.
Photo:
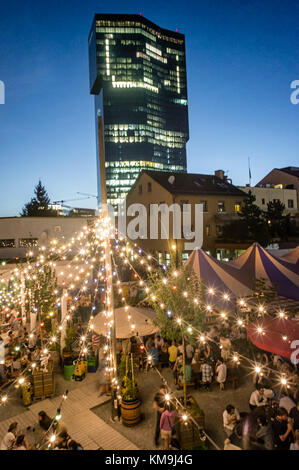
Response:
column 240, row 60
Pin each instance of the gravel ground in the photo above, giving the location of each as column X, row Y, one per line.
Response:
column 213, row 403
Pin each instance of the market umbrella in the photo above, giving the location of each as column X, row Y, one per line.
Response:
column 275, row 335
column 141, row 319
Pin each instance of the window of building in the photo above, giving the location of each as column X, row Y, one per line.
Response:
column 167, row 259
column 237, row 206
column 205, row 205
column 28, row 242
column 208, row 230
column 290, row 204
column 160, row 258
column 263, row 201
column 221, row 206
column 7, row 243
column 57, row 228
column 140, row 189
column 149, row 187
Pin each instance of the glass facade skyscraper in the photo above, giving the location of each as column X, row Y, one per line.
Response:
column 138, row 77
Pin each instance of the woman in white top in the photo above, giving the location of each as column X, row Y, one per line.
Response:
column 10, row 437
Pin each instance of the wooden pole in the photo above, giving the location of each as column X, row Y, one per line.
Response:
column 184, row 371
column 132, row 367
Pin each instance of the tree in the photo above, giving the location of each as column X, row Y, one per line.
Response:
column 40, row 291
column 170, row 301
column 39, row 204
column 251, row 226
column 279, row 224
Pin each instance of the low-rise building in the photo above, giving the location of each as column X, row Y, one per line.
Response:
column 221, row 203
column 264, row 195
column 18, row 235
column 282, row 178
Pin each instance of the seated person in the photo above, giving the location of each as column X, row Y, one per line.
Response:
column 264, row 434
column 257, row 398
column 230, row 417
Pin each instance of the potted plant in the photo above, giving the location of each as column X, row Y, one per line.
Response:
column 130, row 403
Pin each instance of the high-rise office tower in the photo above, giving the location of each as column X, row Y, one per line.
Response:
column 138, row 77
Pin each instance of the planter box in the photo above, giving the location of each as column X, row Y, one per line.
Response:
column 189, row 435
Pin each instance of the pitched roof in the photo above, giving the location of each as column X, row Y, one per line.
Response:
column 291, row 170
column 192, row 183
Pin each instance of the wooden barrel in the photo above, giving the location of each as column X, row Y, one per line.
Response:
column 131, row 412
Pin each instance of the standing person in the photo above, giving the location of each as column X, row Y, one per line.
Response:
column 159, row 342
column 206, row 374
column 226, row 346
column 257, row 398
column 173, row 354
column 104, row 386
column 221, row 371
column 294, row 415
column 10, row 437
column 177, row 367
column 189, row 352
column 167, row 424
column 154, row 355
column 159, row 406
column 282, row 430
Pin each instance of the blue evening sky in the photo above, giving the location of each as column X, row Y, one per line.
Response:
column 242, row 56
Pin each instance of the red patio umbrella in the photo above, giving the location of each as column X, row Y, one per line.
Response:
column 274, row 335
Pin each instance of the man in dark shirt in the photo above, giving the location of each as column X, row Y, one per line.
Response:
column 159, row 406
column 282, row 430
column 294, row 414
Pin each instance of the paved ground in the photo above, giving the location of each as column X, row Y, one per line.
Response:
column 82, row 424
column 212, row 402
column 90, row 423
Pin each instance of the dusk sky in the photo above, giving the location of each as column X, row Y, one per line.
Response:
column 242, row 56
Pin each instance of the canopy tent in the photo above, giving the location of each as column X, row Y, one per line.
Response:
column 220, row 277
column 292, row 256
column 276, row 335
column 257, row 263
column 141, row 319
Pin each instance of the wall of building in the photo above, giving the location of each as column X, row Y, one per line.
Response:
column 288, row 197
column 18, row 235
column 277, row 177
column 213, row 220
